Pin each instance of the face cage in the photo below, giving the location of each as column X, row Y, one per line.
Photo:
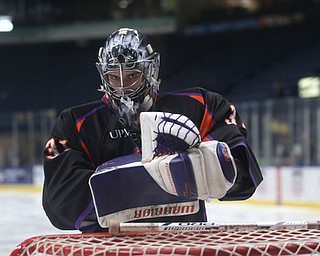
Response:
column 116, row 92
column 128, row 106
column 132, row 91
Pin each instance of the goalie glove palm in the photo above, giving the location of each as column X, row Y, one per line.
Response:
column 166, row 133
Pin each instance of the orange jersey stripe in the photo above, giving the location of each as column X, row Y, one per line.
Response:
column 79, row 124
column 198, row 98
column 206, row 125
column 207, row 122
column 87, row 151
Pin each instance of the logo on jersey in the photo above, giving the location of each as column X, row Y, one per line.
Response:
column 55, row 147
column 122, row 133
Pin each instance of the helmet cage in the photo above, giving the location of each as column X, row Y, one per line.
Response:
column 116, row 86
column 148, row 69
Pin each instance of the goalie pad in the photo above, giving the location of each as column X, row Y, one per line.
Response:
column 205, row 172
column 122, row 189
column 215, row 169
column 174, row 174
column 166, row 133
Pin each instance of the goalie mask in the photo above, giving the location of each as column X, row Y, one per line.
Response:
column 129, row 70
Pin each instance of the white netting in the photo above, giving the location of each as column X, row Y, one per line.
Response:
column 216, row 242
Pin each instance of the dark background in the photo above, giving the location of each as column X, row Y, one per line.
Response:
column 239, row 60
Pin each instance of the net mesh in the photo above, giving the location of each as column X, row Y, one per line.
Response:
column 216, row 242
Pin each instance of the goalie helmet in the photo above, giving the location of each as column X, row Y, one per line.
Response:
column 129, row 71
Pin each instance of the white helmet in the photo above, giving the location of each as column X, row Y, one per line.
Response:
column 127, row 50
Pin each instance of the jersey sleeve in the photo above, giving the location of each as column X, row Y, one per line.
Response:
column 222, row 122
column 67, row 169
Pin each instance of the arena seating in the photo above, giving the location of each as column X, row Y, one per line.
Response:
column 240, row 65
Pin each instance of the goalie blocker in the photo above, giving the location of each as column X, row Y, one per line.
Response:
column 128, row 190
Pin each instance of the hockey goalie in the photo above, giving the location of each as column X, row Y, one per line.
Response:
column 173, row 176
column 141, row 155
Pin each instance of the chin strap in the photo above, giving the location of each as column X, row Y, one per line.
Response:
column 128, row 106
column 130, row 110
column 102, row 88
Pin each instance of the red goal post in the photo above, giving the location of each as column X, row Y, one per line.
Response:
column 281, row 238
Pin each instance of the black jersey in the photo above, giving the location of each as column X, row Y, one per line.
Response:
column 88, row 135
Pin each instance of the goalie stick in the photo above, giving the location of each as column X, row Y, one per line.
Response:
column 115, row 227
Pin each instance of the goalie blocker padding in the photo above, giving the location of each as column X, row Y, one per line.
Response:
column 209, row 171
column 122, row 189
column 126, row 190
column 219, row 170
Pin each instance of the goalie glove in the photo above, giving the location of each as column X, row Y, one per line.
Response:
column 166, row 133
column 205, row 172
column 122, row 189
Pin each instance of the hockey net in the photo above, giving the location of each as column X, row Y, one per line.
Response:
column 258, row 242
column 176, row 242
